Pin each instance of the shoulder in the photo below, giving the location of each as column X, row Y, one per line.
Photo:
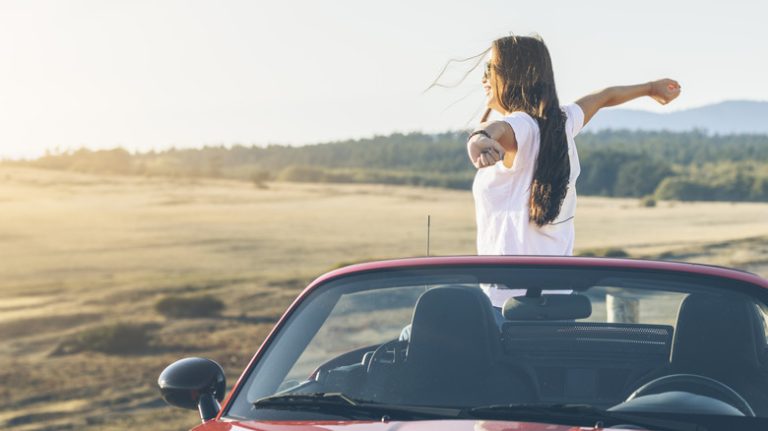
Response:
column 523, row 125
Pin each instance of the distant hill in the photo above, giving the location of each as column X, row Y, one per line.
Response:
column 721, row 118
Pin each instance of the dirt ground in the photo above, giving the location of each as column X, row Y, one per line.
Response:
column 79, row 251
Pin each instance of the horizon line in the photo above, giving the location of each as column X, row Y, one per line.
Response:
column 69, row 150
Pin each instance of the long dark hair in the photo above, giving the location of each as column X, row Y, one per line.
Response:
column 522, row 77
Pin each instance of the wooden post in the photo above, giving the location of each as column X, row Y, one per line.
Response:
column 622, row 309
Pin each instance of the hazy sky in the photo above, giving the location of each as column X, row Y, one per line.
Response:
column 154, row 74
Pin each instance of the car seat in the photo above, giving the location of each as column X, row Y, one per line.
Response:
column 722, row 338
column 453, row 353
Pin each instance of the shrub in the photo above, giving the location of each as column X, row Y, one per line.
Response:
column 189, row 306
column 302, row 174
column 259, row 177
column 118, row 338
column 648, row 202
column 615, row 252
column 682, row 189
column 604, row 252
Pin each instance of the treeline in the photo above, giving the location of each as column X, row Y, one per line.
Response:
column 682, row 166
column 679, row 166
column 437, row 160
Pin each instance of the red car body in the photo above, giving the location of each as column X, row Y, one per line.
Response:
column 220, row 423
column 443, row 425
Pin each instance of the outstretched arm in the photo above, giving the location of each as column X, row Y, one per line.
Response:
column 662, row 91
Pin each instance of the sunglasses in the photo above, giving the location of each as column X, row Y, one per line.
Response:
column 487, row 71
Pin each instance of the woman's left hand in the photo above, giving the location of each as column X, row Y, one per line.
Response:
column 664, row 90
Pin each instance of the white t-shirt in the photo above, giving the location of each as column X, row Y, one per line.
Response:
column 501, row 196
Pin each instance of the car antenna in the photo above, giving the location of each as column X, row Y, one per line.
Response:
column 429, row 220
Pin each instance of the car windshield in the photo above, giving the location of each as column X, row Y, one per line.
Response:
column 471, row 337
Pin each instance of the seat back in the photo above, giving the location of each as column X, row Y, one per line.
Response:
column 715, row 332
column 722, row 338
column 453, row 325
column 452, row 351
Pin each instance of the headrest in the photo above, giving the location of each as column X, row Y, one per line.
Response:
column 717, row 331
column 548, row 307
column 453, row 323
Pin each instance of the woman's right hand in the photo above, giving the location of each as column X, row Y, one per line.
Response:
column 484, row 151
column 664, row 90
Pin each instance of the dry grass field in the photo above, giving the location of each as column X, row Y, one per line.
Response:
column 80, row 251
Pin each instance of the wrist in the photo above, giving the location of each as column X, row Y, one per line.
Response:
column 479, row 132
column 649, row 88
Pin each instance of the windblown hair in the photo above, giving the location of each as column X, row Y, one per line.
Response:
column 521, row 72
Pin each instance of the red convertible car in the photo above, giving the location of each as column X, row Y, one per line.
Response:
column 501, row 343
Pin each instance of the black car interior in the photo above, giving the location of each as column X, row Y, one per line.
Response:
column 458, row 356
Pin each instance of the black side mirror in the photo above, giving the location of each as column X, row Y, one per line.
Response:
column 194, row 383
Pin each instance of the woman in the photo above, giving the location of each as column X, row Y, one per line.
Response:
column 524, row 189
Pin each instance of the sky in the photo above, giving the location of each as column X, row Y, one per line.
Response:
column 150, row 75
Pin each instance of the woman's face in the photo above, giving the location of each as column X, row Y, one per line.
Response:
column 489, row 84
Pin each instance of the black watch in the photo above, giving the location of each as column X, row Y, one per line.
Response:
column 479, row 132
